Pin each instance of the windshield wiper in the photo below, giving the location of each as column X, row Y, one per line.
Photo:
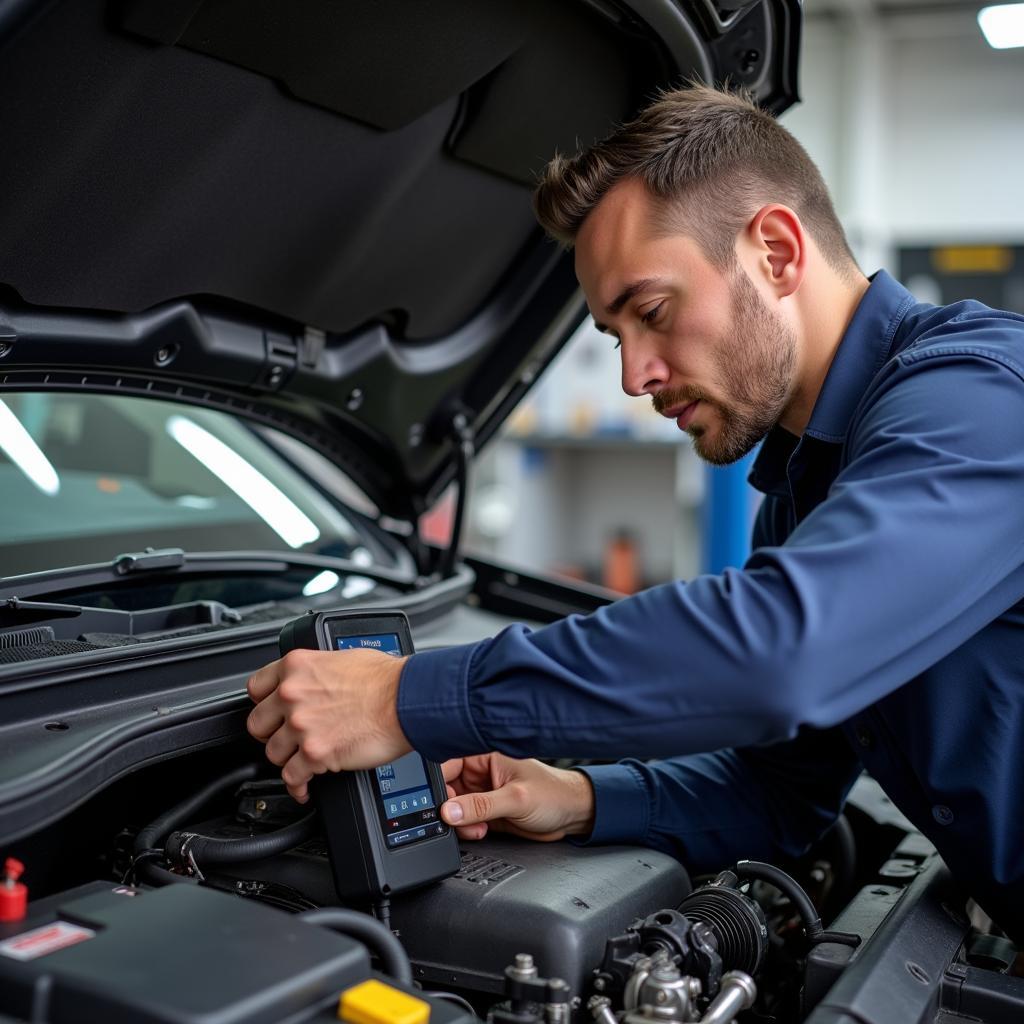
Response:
column 175, row 562
column 20, row 615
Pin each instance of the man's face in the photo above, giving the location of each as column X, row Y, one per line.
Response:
column 701, row 342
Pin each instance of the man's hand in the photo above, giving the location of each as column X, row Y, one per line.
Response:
column 527, row 798
column 320, row 711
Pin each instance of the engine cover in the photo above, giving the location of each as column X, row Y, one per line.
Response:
column 554, row 900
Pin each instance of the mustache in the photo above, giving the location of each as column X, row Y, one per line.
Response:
column 677, row 396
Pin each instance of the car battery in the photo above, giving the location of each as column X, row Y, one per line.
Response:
column 185, row 954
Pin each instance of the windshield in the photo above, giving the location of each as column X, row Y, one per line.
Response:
column 85, row 478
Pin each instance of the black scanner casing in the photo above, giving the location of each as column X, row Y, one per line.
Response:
column 362, row 864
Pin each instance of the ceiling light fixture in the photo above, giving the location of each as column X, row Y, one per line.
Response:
column 267, row 500
column 1002, row 25
column 17, row 443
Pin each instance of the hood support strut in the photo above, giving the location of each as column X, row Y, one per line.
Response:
column 461, row 432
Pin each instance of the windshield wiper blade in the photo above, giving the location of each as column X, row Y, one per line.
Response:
column 177, row 562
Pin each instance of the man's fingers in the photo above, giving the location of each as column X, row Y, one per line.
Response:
column 296, row 774
column 452, row 769
column 282, row 746
column 473, row 808
column 266, row 718
column 473, row 831
column 264, row 682
column 299, row 793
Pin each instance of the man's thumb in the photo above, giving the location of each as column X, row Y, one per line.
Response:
column 472, row 808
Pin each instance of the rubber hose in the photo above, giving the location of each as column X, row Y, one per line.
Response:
column 371, row 933
column 148, row 838
column 839, row 938
column 789, row 886
column 216, row 850
column 147, row 871
column 786, row 884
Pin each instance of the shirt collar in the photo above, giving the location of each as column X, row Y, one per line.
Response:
column 861, row 353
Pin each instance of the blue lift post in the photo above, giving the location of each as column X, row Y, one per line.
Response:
column 728, row 515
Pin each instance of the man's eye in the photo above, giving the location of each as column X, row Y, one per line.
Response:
column 652, row 314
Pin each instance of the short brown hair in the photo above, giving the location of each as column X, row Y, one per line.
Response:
column 711, row 159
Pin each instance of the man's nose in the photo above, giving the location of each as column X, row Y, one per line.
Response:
column 643, row 371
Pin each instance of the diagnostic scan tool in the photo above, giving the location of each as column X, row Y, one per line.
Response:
column 384, row 827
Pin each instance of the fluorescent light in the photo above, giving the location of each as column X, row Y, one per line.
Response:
column 321, row 583
column 267, row 500
column 1003, row 25
column 22, row 450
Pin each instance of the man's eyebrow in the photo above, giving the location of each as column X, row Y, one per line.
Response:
column 624, row 296
column 628, row 292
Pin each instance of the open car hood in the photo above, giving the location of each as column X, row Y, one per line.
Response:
column 315, row 214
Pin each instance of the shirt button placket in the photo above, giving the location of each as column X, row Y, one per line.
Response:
column 942, row 814
column 865, row 737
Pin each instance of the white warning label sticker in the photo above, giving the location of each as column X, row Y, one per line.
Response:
column 41, row 941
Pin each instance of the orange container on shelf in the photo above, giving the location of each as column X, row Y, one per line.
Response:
column 622, row 563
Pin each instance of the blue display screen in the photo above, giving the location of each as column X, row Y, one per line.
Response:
column 407, row 808
column 386, row 642
column 403, row 786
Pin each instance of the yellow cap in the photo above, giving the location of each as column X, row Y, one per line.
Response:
column 373, row 1002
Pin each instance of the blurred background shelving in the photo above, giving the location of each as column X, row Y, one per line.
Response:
column 589, row 483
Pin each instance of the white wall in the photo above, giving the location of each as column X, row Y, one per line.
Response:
column 917, row 125
column 957, row 135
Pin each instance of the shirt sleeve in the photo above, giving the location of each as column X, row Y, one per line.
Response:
column 712, row 809
column 917, row 545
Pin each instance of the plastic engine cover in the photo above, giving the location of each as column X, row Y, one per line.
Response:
column 555, row 901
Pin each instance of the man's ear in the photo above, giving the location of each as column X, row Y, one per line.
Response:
column 779, row 245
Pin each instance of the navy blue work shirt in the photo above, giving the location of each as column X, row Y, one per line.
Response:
column 879, row 623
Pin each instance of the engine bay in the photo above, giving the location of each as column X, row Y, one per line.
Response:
column 136, row 924
column 162, row 802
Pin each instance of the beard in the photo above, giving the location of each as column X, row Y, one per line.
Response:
column 754, row 374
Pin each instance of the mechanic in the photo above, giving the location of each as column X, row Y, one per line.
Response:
column 879, row 622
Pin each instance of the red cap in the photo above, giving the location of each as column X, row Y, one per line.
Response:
column 13, row 894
